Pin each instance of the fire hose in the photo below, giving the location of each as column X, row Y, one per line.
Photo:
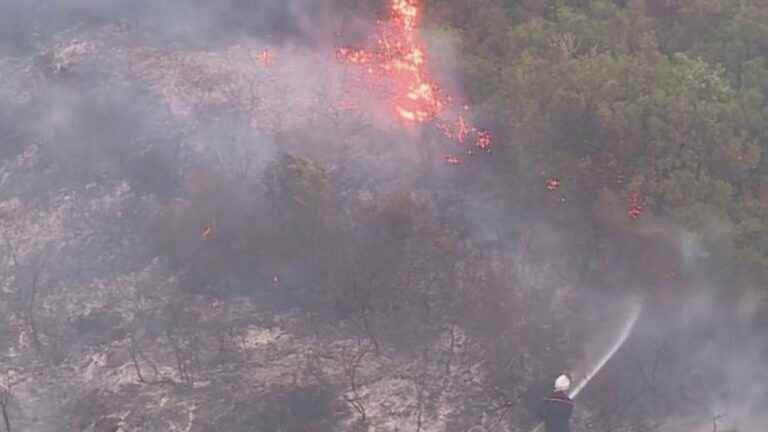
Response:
column 625, row 332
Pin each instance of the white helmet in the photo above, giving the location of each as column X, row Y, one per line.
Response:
column 562, row 383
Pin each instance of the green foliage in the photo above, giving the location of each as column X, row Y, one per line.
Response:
column 297, row 180
column 669, row 100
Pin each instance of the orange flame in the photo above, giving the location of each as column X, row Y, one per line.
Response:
column 266, row 57
column 401, row 59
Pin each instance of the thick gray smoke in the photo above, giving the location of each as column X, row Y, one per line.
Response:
column 27, row 25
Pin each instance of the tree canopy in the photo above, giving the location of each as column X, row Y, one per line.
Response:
column 666, row 100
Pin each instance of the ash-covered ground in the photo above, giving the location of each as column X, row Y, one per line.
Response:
column 209, row 223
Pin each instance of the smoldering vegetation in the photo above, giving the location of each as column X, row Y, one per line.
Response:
column 196, row 240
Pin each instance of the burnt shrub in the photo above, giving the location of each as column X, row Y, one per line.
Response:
column 288, row 409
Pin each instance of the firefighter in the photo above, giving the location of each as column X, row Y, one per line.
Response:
column 556, row 409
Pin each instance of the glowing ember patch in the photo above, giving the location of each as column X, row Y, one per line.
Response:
column 484, row 140
column 553, row 184
column 453, row 160
column 461, row 130
column 207, row 232
column 354, row 56
column 266, row 58
column 635, row 209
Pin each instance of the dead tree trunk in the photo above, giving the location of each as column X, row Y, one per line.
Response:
column 133, row 349
column 5, row 399
column 351, row 363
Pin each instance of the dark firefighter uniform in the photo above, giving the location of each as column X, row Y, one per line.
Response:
column 556, row 412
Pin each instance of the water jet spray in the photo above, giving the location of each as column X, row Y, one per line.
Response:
column 626, row 330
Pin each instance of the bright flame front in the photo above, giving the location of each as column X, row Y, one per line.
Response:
column 400, row 58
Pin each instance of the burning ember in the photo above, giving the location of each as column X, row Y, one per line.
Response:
column 207, row 232
column 453, row 160
column 400, row 58
column 553, row 183
column 266, row 57
column 634, row 210
column 483, row 140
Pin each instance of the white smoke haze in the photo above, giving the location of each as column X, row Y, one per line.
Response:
column 113, row 107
